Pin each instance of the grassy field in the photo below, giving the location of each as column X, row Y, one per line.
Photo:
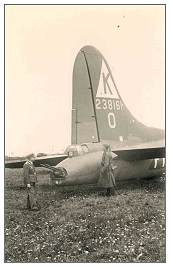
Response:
column 80, row 224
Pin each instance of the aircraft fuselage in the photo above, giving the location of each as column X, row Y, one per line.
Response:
column 85, row 169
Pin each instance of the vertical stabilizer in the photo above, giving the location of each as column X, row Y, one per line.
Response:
column 99, row 113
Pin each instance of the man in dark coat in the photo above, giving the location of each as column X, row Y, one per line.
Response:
column 30, row 180
column 29, row 173
column 106, row 178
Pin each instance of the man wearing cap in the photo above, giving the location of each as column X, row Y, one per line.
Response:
column 30, row 180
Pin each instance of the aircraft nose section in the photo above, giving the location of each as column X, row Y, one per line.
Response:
column 58, row 176
column 82, row 169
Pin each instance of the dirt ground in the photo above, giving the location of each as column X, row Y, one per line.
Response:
column 80, row 224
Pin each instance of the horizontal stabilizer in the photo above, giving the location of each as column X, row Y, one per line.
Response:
column 140, row 153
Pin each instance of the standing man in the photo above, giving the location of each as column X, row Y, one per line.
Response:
column 106, row 178
column 30, row 180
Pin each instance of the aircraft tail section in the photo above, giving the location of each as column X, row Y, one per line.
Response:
column 99, row 113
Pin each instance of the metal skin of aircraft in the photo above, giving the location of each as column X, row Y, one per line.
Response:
column 99, row 116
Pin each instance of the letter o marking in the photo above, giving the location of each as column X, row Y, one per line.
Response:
column 111, row 120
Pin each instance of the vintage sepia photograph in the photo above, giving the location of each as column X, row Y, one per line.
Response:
column 84, row 174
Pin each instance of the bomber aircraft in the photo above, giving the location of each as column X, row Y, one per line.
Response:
column 99, row 116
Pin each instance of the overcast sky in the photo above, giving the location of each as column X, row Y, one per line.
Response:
column 41, row 43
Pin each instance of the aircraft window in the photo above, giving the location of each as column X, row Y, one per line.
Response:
column 121, row 138
column 85, row 148
column 76, row 150
column 70, row 154
column 72, row 151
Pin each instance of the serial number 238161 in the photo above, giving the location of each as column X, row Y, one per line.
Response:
column 109, row 104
